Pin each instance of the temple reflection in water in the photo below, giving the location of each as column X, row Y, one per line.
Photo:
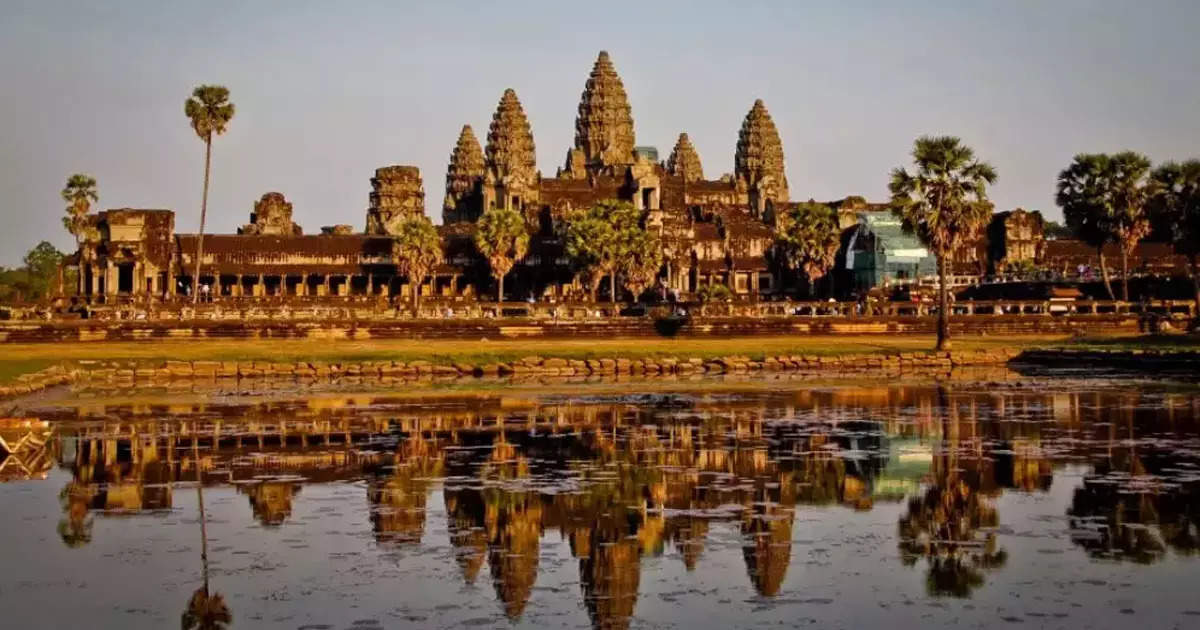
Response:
column 624, row 478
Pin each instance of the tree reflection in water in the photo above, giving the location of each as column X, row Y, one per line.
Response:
column 646, row 476
column 948, row 523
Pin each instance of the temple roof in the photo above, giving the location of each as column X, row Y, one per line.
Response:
column 759, row 150
column 510, row 151
column 604, row 127
column 685, row 161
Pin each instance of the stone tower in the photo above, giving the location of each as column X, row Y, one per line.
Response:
column 684, row 160
column 464, row 179
column 604, row 127
column 272, row 215
column 511, row 178
column 396, row 194
column 758, row 162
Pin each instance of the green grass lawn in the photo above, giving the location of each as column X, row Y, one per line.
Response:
column 22, row 358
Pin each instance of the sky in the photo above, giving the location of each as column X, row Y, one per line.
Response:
column 327, row 92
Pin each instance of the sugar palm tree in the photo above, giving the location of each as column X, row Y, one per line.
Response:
column 600, row 240
column 1103, row 198
column 642, row 260
column 1083, row 196
column 417, row 249
column 80, row 193
column 1175, row 208
column 501, row 236
column 1129, row 190
column 808, row 240
column 209, row 111
column 944, row 202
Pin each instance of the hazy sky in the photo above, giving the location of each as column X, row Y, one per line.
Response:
column 326, row 92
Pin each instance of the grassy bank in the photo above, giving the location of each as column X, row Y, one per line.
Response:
column 20, row 356
column 23, row 358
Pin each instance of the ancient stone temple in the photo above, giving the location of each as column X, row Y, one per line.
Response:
column 604, row 139
column 272, row 215
column 464, row 179
column 396, row 194
column 758, row 162
column 713, row 231
column 511, row 176
column 684, row 161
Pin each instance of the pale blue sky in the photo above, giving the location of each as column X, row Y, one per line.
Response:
column 326, row 92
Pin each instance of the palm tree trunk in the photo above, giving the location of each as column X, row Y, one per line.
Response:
column 203, row 214
column 1104, row 274
column 943, row 322
column 416, row 298
column 1124, row 274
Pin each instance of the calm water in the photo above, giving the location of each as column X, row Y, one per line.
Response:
column 1049, row 502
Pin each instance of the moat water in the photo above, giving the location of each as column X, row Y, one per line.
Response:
column 1052, row 501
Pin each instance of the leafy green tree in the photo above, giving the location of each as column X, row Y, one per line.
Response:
column 209, row 111
column 641, row 260
column 417, row 249
column 808, row 240
column 80, row 193
column 601, row 239
column 1175, row 207
column 503, row 239
column 35, row 279
column 1103, row 198
column 944, row 202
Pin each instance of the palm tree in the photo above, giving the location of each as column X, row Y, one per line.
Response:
column 210, row 111
column 1175, row 208
column 1083, row 196
column 417, row 249
column 80, row 193
column 808, row 239
column 642, row 260
column 1103, row 198
column 600, row 239
column 501, row 236
column 1129, row 192
column 944, row 202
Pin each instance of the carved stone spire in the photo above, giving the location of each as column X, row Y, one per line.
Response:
column 464, row 175
column 510, row 151
column 684, row 160
column 604, row 127
column 758, row 162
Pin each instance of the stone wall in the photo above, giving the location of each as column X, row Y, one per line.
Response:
column 85, row 330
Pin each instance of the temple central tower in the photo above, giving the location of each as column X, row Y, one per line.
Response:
column 604, row 137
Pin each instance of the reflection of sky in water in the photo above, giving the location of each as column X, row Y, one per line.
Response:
column 847, row 507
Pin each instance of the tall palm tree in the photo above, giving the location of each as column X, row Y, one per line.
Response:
column 1083, row 196
column 80, row 193
column 1104, row 198
column 944, row 202
column 417, row 249
column 501, row 236
column 1129, row 189
column 209, row 111
column 808, row 240
column 1175, row 209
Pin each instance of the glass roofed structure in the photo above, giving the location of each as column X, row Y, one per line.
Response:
column 880, row 253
